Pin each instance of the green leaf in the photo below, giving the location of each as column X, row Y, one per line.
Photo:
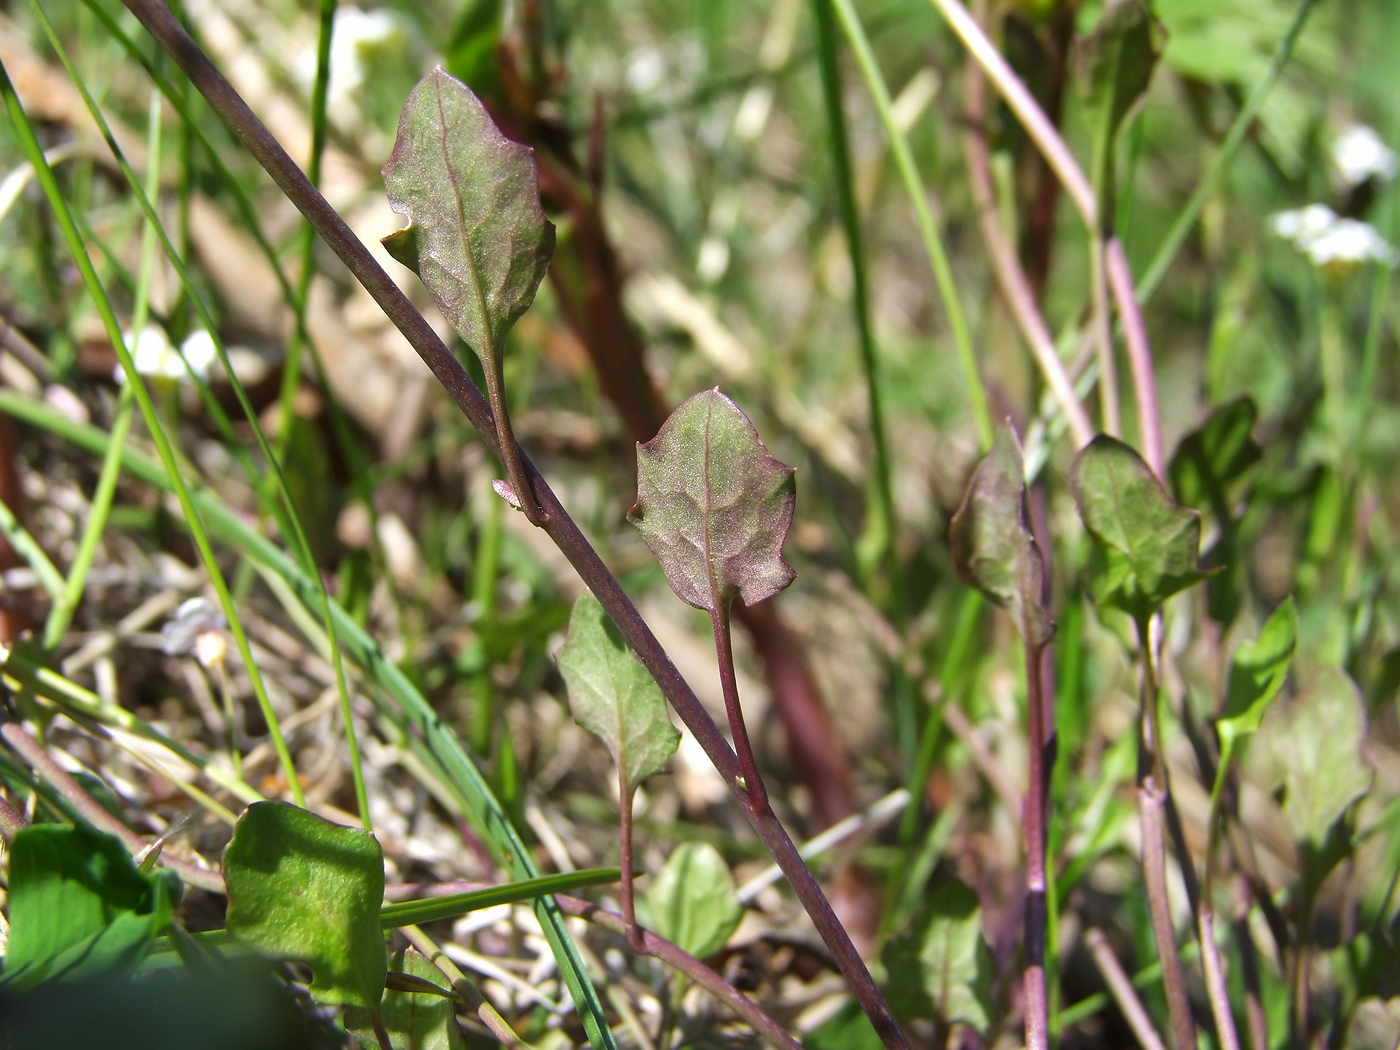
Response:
column 1211, row 461
column 1312, row 747
column 993, row 548
column 714, row 506
column 847, row 1029
column 1145, row 546
column 78, row 906
column 300, row 887
column 613, row 696
column 431, row 909
column 941, row 968
column 693, row 902
column 422, row 1020
column 1257, row 673
column 477, row 235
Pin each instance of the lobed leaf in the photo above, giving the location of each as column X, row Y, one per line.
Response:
column 693, row 902
column 78, row 906
column 477, row 235
column 300, row 887
column 993, row 548
column 613, row 696
column 714, row 506
column 1146, row 548
column 1312, row 747
column 941, row 968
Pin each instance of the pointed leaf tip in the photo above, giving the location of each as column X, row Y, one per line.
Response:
column 993, row 548
column 613, row 696
column 477, row 235
column 714, row 506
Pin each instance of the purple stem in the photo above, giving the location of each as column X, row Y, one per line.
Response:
column 226, row 102
column 1033, row 824
column 629, row 911
column 1151, row 799
column 57, row 777
column 753, row 785
column 11, row 820
column 1121, row 988
column 1120, row 282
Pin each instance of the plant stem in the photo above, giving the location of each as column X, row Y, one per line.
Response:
column 1139, row 350
column 1152, row 794
column 627, row 794
column 231, row 108
column 509, row 451
column 750, row 781
column 1011, row 278
column 1033, row 825
column 1101, row 325
column 1121, row 988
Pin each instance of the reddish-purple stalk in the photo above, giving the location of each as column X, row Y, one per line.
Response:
column 629, row 910
column 11, row 820
column 651, row 944
column 753, row 786
column 1121, row 988
column 1139, row 351
column 1152, row 794
column 226, row 102
column 39, row 760
column 1033, row 824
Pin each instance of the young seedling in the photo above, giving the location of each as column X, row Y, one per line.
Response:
column 715, row 508
column 615, row 698
column 1145, row 549
column 477, row 236
column 994, row 551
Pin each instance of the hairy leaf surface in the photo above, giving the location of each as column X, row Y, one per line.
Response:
column 713, row 505
column 613, row 696
column 477, row 235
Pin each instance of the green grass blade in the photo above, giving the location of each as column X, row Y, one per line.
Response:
column 29, row 144
column 933, row 241
column 27, row 547
column 1234, row 138
column 430, row 909
column 399, row 700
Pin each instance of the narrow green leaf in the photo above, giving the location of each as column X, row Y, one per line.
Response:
column 941, row 968
column 1258, row 671
column 993, row 548
column 693, row 902
column 1118, row 59
column 300, row 887
column 78, row 906
column 1212, row 460
column 1312, row 747
column 613, row 696
column 1146, row 548
column 430, row 909
column 714, row 506
column 477, row 235
column 421, row 1020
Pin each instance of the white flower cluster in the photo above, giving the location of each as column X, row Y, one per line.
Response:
column 1358, row 154
column 1328, row 239
column 154, row 355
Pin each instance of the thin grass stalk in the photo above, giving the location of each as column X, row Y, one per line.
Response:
column 1101, row 330
column 1011, row 279
column 320, row 89
column 558, row 525
column 27, row 547
column 928, row 229
column 1139, row 352
column 1186, row 219
column 840, row 154
column 291, row 522
column 29, row 143
column 1122, row 990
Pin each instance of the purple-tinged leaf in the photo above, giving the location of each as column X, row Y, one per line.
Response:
column 714, row 506
column 477, row 235
column 993, row 548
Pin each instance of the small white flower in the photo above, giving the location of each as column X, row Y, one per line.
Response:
column 189, row 629
column 153, row 354
column 200, row 352
column 1359, row 154
column 1330, row 240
